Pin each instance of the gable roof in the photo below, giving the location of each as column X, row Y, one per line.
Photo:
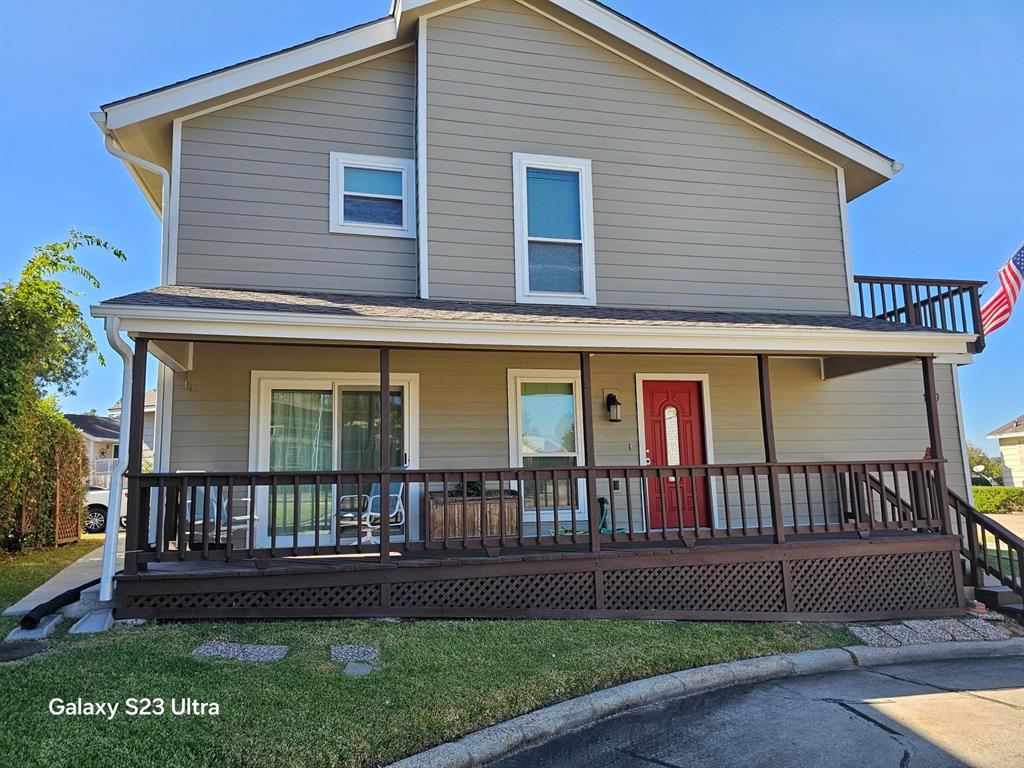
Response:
column 98, row 427
column 141, row 123
column 1013, row 428
column 148, row 405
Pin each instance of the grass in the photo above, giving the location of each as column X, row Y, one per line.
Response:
column 438, row 680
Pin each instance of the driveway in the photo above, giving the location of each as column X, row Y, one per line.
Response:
column 949, row 713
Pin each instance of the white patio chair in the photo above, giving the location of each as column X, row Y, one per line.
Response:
column 369, row 505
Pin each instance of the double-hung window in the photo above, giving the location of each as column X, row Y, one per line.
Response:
column 554, row 230
column 372, row 195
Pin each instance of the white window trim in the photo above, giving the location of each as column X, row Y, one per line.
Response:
column 518, row 376
column 520, row 162
column 341, row 160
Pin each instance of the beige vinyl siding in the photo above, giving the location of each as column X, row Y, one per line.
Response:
column 464, row 410
column 254, row 185
column 693, row 208
column 1011, row 450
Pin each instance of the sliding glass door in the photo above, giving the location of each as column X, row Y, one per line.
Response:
column 301, row 439
column 310, row 424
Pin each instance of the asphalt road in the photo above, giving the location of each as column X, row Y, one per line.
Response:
column 950, row 713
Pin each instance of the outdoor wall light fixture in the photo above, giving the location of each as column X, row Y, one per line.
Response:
column 614, row 407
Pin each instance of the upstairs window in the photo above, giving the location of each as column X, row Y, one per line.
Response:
column 554, row 227
column 372, row 195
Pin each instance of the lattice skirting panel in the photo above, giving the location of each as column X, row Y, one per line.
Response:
column 853, row 580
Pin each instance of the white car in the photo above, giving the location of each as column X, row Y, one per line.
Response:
column 95, row 518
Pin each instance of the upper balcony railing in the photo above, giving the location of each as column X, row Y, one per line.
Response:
column 946, row 305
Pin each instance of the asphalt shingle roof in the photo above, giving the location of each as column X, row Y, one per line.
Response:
column 409, row 308
column 101, row 427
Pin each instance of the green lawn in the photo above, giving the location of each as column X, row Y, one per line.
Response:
column 438, row 680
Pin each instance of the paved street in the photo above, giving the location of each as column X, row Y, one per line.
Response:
column 936, row 714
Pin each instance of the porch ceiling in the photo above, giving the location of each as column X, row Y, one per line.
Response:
column 178, row 311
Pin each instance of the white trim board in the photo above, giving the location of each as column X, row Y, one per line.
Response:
column 844, row 225
column 422, row 228
column 220, row 84
column 709, row 443
column 957, row 401
column 281, row 326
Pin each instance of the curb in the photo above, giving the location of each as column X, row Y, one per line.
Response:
column 543, row 725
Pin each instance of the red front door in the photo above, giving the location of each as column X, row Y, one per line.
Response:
column 674, row 433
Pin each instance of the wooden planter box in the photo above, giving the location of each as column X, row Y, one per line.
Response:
column 491, row 516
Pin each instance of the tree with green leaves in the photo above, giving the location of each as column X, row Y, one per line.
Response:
column 993, row 468
column 45, row 345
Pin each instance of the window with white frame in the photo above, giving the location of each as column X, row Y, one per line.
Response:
column 554, row 229
column 372, row 195
column 546, row 433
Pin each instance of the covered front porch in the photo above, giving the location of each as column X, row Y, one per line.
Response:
column 303, row 476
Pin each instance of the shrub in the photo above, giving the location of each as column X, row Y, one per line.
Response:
column 999, row 500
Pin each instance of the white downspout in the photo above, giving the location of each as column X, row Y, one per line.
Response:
column 112, row 326
column 165, row 178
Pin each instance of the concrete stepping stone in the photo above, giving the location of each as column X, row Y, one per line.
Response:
column 358, row 669
column 987, row 629
column 938, row 630
column 219, row 649
column 98, row 620
column 905, row 635
column 364, row 653
column 874, row 636
column 46, row 626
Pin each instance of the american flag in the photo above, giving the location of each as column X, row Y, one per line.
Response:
column 997, row 309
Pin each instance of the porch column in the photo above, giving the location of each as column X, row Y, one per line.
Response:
column 931, row 406
column 593, row 513
column 136, row 523
column 770, row 455
column 385, row 454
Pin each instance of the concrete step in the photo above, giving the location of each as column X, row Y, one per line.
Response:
column 88, row 601
column 996, row 596
column 98, row 620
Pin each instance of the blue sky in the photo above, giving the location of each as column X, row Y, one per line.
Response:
column 939, row 86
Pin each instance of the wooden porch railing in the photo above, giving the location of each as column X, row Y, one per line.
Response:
column 988, row 547
column 226, row 516
column 947, row 305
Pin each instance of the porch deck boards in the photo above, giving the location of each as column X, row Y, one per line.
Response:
column 328, row 563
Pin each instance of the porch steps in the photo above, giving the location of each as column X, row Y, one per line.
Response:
column 88, row 601
column 1002, row 599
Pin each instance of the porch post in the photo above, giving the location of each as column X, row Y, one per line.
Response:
column 136, row 524
column 770, row 454
column 931, row 405
column 593, row 513
column 385, row 454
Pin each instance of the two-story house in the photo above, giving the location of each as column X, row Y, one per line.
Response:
column 515, row 308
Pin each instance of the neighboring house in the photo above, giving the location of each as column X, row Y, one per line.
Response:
column 580, row 293
column 1010, row 438
column 149, row 422
column 101, row 444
